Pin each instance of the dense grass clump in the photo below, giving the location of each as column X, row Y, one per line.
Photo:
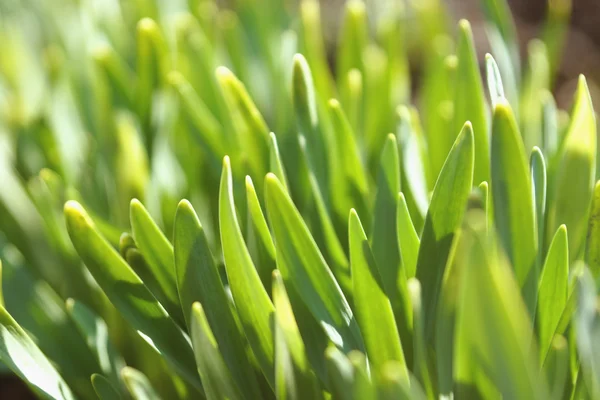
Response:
column 335, row 241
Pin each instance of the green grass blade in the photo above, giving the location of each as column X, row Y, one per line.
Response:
column 354, row 37
column 573, row 185
column 413, row 167
column 535, row 83
column 512, row 201
column 260, row 243
column 384, row 241
column 537, row 168
column 22, row 356
column 494, row 80
column 420, row 364
column 362, row 387
column 469, row 101
column 553, row 290
column 592, row 247
column 494, row 352
column 138, row 385
column 158, row 254
column 104, row 388
column 251, row 299
column 373, row 308
column 326, row 234
column 294, row 378
column 253, row 131
column 128, row 294
column 199, row 281
column 275, row 163
column 302, row 265
column 556, row 367
column 307, row 120
column 216, row 379
column 408, row 239
column 445, row 214
column 95, row 331
column 340, row 374
column 205, row 126
column 392, row 385
column 586, row 320
column 355, row 176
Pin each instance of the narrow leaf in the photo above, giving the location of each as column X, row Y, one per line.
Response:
column 22, row 356
column 373, row 309
column 303, row 266
column 294, row 378
column 444, row 216
column 216, row 379
column 104, row 388
column 575, row 174
column 512, row 201
column 158, row 254
column 128, row 294
column 252, row 301
column 199, row 281
column 469, row 100
column 553, row 290
column 408, row 239
column 138, row 385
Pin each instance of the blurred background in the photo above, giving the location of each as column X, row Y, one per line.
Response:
column 36, row 21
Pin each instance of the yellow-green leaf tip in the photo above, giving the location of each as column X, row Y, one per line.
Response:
column 147, row 25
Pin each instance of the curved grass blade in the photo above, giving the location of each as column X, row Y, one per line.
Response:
column 326, row 235
column 158, row 254
column 362, row 388
column 373, row 308
column 586, row 320
column 251, row 300
column 494, row 80
column 104, row 388
column 408, row 239
column 575, row 174
column 384, row 241
column 537, row 168
column 128, row 294
column 444, row 216
column 22, row 356
column 138, row 385
column 413, row 167
column 469, row 100
column 275, row 164
column 307, row 120
column 95, row 332
column 339, row 373
column 243, row 110
column 556, row 367
column 216, row 379
column 392, row 384
column 302, row 264
column 260, row 243
column 206, row 126
column 199, row 281
column 420, row 365
column 553, row 290
column 494, row 352
column 512, row 201
column 354, row 173
column 592, row 247
column 294, row 378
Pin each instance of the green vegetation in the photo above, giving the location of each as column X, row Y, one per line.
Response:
column 335, row 241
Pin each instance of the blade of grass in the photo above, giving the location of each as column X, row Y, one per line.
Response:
column 373, row 308
column 128, row 294
column 251, row 299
